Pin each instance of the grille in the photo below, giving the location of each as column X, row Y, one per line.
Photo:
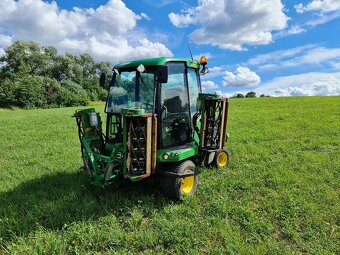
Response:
column 138, row 145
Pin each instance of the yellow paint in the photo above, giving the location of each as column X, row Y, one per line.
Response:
column 222, row 159
column 188, row 184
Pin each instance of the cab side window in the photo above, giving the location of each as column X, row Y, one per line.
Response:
column 194, row 89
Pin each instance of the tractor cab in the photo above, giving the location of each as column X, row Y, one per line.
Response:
column 158, row 123
column 167, row 88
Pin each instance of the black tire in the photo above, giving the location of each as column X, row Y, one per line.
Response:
column 221, row 159
column 176, row 187
column 209, row 158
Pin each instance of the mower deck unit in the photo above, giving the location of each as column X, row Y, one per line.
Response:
column 158, row 123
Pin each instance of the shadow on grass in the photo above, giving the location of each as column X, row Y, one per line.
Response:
column 55, row 200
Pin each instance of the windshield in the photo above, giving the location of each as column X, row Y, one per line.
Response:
column 131, row 90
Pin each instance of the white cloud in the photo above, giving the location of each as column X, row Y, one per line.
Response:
column 222, row 94
column 208, row 55
column 322, row 18
column 104, row 31
column 214, row 71
column 277, row 55
column 231, row 24
column 294, row 57
column 243, row 77
column 209, row 85
column 322, row 12
column 335, row 64
column 293, row 30
column 305, row 84
column 144, row 16
column 318, row 5
column 5, row 40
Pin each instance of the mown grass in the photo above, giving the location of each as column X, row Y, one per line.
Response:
column 280, row 194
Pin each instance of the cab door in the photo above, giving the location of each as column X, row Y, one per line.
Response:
column 175, row 126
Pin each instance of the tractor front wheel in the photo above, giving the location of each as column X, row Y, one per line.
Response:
column 175, row 187
column 221, row 159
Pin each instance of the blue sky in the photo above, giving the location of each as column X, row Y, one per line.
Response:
column 278, row 48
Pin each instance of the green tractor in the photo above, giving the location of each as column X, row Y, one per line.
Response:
column 158, row 123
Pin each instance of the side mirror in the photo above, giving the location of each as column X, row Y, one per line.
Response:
column 102, row 80
column 162, row 74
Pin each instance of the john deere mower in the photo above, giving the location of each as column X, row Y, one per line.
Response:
column 158, row 123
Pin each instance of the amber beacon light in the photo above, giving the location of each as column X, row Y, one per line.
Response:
column 204, row 62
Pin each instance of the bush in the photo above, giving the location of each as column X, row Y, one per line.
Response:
column 93, row 89
column 29, row 91
column 32, row 76
column 52, row 94
column 102, row 94
column 7, row 93
column 73, row 94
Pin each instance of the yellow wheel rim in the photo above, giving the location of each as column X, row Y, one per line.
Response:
column 222, row 159
column 188, row 184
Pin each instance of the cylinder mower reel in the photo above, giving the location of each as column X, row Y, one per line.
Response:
column 158, row 124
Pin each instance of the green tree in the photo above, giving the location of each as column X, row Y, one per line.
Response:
column 37, row 59
column 7, row 93
column 104, row 67
column 29, row 92
column 239, row 95
column 32, row 75
column 251, row 94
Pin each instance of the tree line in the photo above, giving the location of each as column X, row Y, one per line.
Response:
column 33, row 76
column 250, row 94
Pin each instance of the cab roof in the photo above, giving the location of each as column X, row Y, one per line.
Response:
column 156, row 62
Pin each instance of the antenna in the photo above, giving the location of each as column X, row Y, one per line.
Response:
column 190, row 51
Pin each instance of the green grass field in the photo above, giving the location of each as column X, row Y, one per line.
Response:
column 280, row 194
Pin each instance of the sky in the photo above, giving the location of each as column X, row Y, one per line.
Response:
column 272, row 47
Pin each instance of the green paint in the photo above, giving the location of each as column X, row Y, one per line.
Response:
column 177, row 155
column 133, row 111
column 156, row 62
